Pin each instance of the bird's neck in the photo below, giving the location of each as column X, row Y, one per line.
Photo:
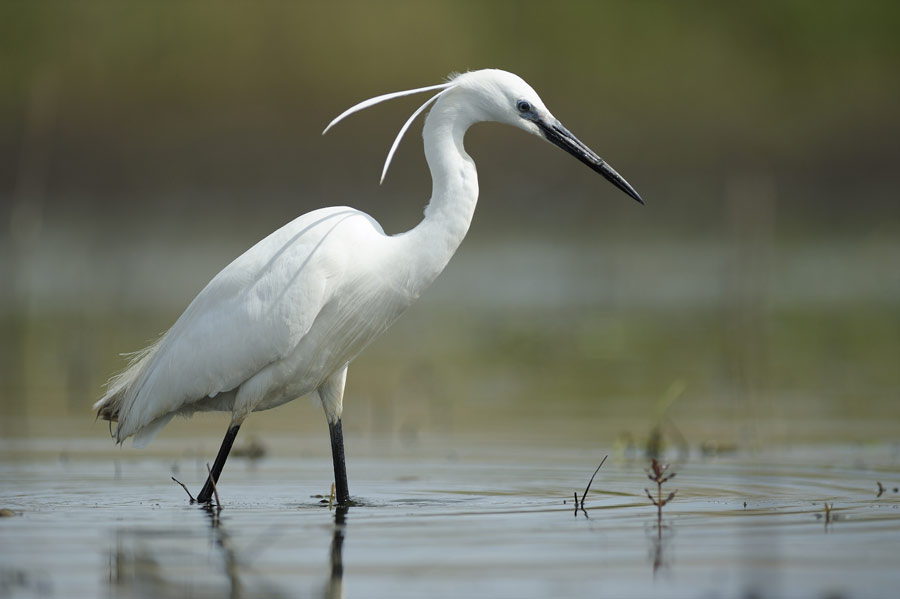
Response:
column 454, row 194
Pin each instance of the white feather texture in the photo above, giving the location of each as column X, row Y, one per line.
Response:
column 270, row 327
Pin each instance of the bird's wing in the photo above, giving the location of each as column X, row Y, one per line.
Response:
column 253, row 313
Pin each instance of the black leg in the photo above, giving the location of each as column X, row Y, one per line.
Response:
column 207, row 491
column 341, row 491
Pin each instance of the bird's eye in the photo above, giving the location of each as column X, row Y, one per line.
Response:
column 523, row 106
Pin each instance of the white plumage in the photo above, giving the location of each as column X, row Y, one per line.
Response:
column 287, row 317
column 270, row 327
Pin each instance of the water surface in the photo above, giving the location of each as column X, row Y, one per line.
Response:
column 448, row 517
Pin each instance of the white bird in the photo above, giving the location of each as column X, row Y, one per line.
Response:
column 287, row 317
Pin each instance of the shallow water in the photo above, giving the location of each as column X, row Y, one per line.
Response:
column 448, row 518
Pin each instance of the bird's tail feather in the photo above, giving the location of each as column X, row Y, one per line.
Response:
column 109, row 407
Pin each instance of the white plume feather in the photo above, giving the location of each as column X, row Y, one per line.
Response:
column 378, row 99
column 403, row 129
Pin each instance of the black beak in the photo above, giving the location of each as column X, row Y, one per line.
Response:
column 562, row 137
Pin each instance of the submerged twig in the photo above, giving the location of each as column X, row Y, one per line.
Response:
column 183, row 486
column 212, row 479
column 580, row 506
column 588, row 488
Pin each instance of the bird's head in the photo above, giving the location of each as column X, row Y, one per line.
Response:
column 495, row 95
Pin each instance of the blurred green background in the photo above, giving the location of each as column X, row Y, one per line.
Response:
column 754, row 299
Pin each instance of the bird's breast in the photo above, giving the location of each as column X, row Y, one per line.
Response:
column 358, row 311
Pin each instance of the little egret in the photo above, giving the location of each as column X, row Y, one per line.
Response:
column 287, row 317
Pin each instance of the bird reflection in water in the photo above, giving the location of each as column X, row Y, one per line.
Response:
column 335, row 587
column 172, row 562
